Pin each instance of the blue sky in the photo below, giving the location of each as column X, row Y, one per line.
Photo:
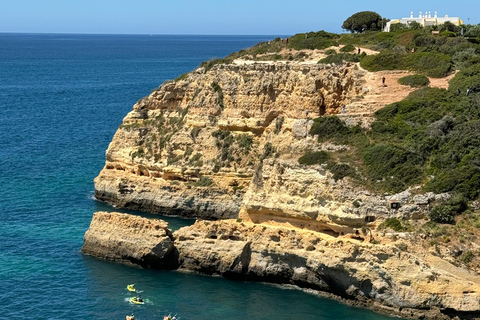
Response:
column 207, row 17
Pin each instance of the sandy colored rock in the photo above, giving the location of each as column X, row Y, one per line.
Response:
column 392, row 277
column 128, row 238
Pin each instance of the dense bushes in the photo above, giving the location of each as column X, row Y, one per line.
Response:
column 465, row 58
column 434, row 65
column 341, row 170
column 445, row 213
column 414, row 81
column 313, row 40
column 393, row 167
column 347, row 48
column 328, row 127
column 466, row 78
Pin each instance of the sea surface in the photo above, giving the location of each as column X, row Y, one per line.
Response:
column 62, row 98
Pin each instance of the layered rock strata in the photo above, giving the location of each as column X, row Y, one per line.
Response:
column 217, row 125
column 128, row 238
column 395, row 276
column 202, row 146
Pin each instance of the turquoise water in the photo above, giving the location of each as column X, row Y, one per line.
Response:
column 61, row 99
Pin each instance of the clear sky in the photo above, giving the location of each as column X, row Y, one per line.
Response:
column 279, row 17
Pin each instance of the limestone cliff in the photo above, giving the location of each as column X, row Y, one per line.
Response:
column 190, row 148
column 388, row 272
column 393, row 274
column 224, row 142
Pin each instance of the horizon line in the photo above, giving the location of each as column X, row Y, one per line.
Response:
column 139, row 34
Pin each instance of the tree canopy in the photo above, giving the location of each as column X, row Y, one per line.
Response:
column 363, row 21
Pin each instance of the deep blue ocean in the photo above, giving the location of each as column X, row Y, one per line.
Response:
column 62, row 98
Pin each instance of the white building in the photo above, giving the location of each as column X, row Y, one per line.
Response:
column 424, row 20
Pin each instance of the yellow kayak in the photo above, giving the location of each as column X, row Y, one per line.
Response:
column 131, row 287
column 137, row 300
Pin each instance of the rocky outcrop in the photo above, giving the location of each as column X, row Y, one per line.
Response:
column 387, row 273
column 217, row 125
column 392, row 275
column 224, row 143
column 309, row 197
column 128, row 238
column 196, row 146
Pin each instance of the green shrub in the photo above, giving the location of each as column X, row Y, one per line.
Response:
column 442, row 214
column 194, row 133
column 435, row 65
column 467, row 257
column 393, row 167
column 245, row 142
column 414, row 81
column 313, row 40
column 268, row 150
column 311, row 158
column 278, row 124
column 398, row 26
column 188, row 152
column 181, row 77
column 341, row 170
column 216, row 87
column 328, row 127
column 347, row 48
column 432, row 64
column 196, row 157
column 466, row 78
column 448, row 34
column 462, row 58
column 385, row 60
column 330, row 52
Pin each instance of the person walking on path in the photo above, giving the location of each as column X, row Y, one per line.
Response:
column 383, row 81
column 306, row 112
column 343, row 109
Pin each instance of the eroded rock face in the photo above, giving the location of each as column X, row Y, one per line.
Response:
column 197, row 146
column 398, row 276
column 308, row 197
column 128, row 238
column 217, row 125
column 367, row 272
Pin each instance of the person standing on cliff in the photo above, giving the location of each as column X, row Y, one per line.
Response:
column 306, row 112
column 343, row 109
column 383, row 81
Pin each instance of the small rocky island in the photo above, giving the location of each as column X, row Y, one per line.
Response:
column 280, row 152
